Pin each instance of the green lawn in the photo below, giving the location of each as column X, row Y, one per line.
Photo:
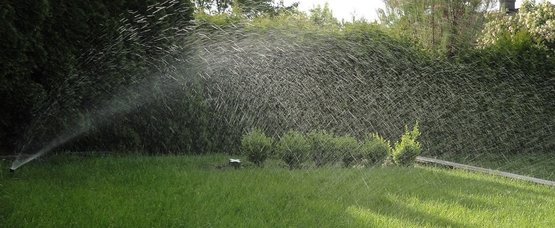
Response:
column 193, row 191
column 536, row 165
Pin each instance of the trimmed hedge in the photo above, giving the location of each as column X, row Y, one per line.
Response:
column 407, row 148
column 293, row 148
column 256, row 146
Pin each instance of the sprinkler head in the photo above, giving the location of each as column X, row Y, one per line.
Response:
column 12, row 170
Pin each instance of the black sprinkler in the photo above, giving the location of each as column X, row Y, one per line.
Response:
column 12, row 170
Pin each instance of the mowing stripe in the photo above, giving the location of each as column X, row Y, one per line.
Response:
column 425, row 160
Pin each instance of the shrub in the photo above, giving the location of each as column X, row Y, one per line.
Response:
column 322, row 147
column 375, row 149
column 256, row 146
column 348, row 148
column 406, row 150
column 293, row 148
column 535, row 21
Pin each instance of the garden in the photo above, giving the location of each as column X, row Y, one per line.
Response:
column 171, row 113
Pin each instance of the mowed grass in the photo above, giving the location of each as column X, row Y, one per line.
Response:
column 193, row 191
column 538, row 165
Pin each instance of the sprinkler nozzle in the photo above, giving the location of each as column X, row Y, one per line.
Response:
column 12, row 170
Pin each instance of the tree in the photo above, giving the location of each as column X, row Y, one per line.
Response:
column 249, row 8
column 442, row 26
column 213, row 6
column 323, row 16
column 533, row 23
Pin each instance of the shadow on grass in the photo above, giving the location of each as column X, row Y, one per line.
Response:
column 445, row 190
column 394, row 211
column 272, row 196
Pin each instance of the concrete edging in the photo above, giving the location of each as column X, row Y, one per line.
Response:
column 425, row 160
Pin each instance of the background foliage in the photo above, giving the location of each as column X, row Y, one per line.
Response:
column 61, row 61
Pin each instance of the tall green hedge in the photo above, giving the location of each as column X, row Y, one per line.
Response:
column 48, row 62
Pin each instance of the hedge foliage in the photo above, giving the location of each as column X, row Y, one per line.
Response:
column 407, row 148
column 322, row 147
column 325, row 148
column 256, row 146
column 293, row 148
column 64, row 62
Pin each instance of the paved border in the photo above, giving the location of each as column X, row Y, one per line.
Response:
column 425, row 160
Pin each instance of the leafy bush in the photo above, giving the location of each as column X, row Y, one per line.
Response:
column 375, row 149
column 293, row 148
column 256, row 146
column 55, row 70
column 406, row 150
column 348, row 148
column 532, row 21
column 322, row 147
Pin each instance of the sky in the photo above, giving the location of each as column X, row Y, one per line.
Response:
column 345, row 9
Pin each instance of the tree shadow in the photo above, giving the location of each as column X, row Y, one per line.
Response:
column 496, row 184
column 402, row 213
column 444, row 188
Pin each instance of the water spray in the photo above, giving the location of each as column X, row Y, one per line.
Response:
column 252, row 78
